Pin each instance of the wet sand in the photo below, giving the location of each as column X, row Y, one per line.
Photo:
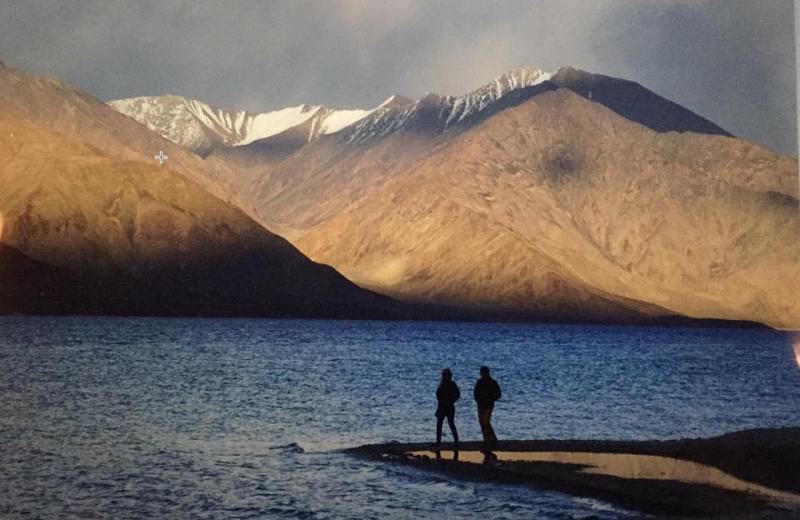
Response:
column 749, row 474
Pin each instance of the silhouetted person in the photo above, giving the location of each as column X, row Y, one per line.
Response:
column 446, row 395
column 486, row 392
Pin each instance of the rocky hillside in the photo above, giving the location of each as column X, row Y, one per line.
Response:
column 555, row 201
column 85, row 207
column 569, row 196
column 560, row 205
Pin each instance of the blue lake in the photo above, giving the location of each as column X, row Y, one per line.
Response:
column 131, row 418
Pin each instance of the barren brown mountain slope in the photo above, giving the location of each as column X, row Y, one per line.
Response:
column 560, row 202
column 296, row 193
column 290, row 189
column 293, row 188
column 52, row 104
column 155, row 241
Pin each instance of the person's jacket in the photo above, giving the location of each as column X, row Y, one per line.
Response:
column 448, row 393
column 486, row 392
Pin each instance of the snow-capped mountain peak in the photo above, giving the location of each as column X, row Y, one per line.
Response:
column 518, row 78
column 473, row 102
column 438, row 113
column 201, row 127
column 189, row 123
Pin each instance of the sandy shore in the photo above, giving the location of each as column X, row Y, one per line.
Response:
column 748, row 474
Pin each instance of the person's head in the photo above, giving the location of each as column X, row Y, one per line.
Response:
column 484, row 371
column 447, row 375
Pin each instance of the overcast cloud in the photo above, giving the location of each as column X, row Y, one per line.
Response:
column 731, row 61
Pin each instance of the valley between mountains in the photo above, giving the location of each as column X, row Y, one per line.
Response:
column 564, row 196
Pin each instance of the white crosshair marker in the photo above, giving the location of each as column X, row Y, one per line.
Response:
column 161, row 157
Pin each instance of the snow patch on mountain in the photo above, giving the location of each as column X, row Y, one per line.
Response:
column 462, row 107
column 261, row 126
column 339, row 119
column 201, row 127
column 449, row 110
column 189, row 123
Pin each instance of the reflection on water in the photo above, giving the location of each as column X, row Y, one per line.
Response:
column 797, row 349
column 625, row 465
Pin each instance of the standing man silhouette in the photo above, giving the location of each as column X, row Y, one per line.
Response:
column 446, row 396
column 486, row 392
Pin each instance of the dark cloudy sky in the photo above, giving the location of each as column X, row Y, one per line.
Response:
column 732, row 61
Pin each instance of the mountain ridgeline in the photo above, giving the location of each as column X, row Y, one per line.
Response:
column 564, row 196
column 90, row 223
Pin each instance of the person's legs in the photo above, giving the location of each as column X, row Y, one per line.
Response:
column 451, row 421
column 492, row 438
column 485, row 420
column 439, row 423
column 482, row 421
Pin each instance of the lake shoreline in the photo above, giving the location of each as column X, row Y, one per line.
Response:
column 765, row 458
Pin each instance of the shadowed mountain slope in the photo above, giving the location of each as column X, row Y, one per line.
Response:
column 593, row 200
column 632, row 101
column 133, row 237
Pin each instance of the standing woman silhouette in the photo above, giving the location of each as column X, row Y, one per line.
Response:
column 446, row 395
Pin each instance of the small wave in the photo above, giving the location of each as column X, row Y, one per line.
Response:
column 292, row 447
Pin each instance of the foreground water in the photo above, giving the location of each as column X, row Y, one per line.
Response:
column 133, row 418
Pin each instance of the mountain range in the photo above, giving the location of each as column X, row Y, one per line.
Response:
column 565, row 196
column 202, row 128
column 90, row 223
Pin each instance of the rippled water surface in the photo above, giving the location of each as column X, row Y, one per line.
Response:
column 132, row 418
